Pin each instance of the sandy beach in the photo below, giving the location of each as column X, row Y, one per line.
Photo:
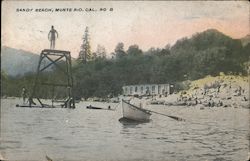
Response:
column 221, row 91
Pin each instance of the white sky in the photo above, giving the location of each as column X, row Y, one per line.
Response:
column 145, row 23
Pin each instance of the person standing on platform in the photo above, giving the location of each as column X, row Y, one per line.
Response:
column 52, row 37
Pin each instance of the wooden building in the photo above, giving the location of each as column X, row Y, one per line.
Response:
column 147, row 89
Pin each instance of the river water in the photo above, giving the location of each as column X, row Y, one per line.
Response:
column 214, row 134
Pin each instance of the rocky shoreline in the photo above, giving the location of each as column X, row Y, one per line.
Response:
column 220, row 91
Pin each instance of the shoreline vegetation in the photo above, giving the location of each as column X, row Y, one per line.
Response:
column 220, row 91
column 208, row 69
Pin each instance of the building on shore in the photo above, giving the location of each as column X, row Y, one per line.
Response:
column 148, row 90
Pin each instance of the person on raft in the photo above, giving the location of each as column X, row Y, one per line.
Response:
column 24, row 94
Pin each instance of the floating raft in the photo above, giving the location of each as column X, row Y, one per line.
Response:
column 33, row 106
column 92, row 107
column 98, row 108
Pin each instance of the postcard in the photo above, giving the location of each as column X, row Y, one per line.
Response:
column 125, row 80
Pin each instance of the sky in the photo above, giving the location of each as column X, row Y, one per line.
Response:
column 145, row 23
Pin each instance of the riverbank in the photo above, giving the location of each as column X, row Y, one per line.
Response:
column 220, row 91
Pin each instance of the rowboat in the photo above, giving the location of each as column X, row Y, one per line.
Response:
column 99, row 108
column 133, row 112
column 92, row 107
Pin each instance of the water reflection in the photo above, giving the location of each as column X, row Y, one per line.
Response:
column 128, row 123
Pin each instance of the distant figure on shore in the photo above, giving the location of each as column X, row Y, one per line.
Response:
column 220, row 103
column 52, row 37
column 240, row 91
column 218, row 89
column 196, row 100
column 24, row 94
column 205, row 91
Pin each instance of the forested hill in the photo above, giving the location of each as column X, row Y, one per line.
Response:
column 245, row 40
column 209, row 53
column 206, row 53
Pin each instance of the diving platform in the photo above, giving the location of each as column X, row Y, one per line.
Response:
column 53, row 61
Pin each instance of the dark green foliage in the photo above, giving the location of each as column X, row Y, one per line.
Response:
column 134, row 50
column 206, row 53
column 119, row 51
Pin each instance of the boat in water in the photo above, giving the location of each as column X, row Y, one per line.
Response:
column 99, row 108
column 93, row 107
column 133, row 112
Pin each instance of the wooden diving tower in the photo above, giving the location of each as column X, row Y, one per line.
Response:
column 54, row 58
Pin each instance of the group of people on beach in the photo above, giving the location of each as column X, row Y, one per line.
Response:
column 212, row 96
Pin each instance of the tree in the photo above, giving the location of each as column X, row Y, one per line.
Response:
column 85, row 53
column 152, row 51
column 134, row 50
column 166, row 50
column 119, row 50
column 94, row 55
column 101, row 51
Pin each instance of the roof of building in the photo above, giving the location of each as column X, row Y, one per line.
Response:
column 144, row 85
